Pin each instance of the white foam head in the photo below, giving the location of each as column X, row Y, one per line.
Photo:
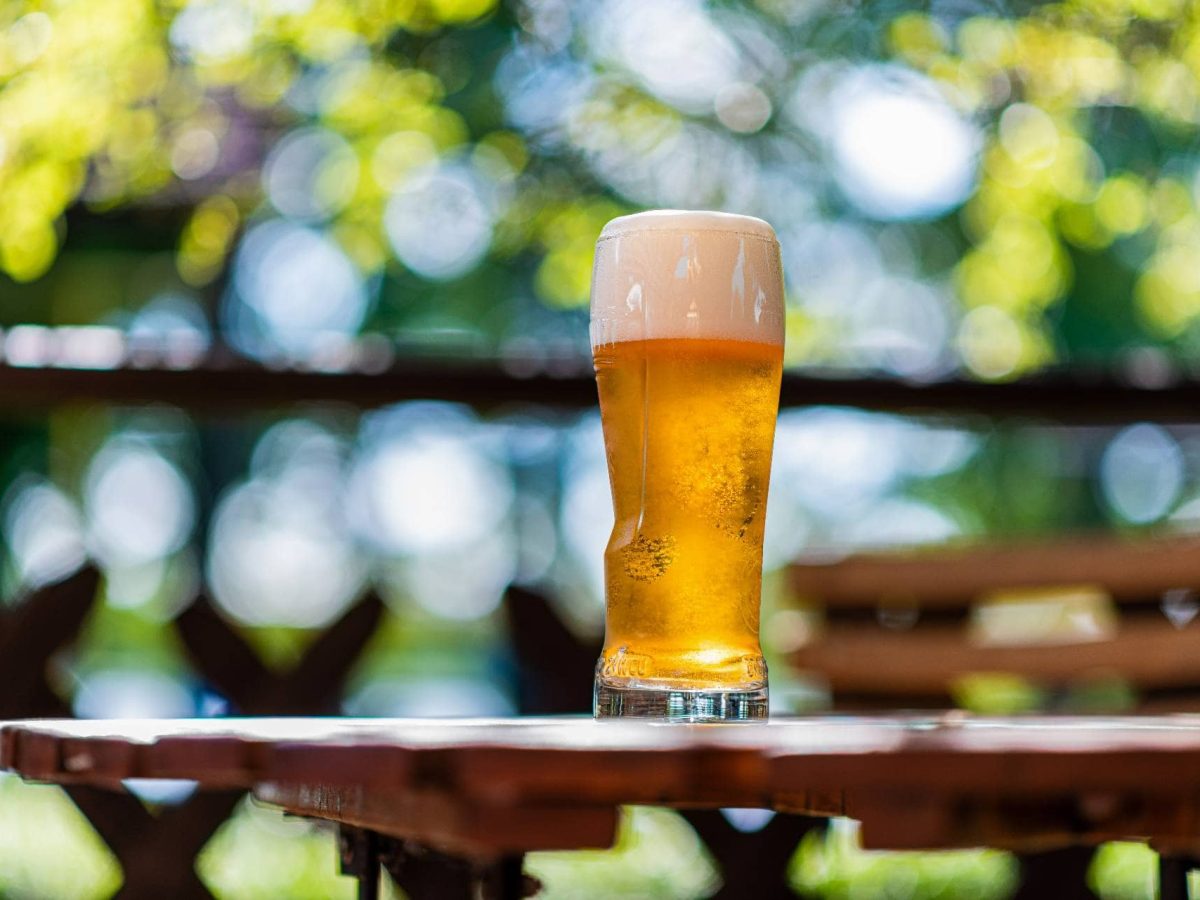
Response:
column 686, row 274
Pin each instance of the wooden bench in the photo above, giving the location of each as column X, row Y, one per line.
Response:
column 905, row 630
column 1090, row 624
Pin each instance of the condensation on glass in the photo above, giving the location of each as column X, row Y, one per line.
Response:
column 687, row 338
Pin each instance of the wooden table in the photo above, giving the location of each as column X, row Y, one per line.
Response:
column 487, row 791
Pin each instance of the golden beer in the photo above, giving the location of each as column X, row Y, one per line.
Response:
column 688, row 406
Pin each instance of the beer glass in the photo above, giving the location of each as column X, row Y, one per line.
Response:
column 687, row 340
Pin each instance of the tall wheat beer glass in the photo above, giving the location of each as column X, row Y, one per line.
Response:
column 687, row 339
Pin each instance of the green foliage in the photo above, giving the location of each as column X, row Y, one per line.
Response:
column 40, row 830
column 657, row 855
column 119, row 101
column 834, row 866
column 260, row 853
column 997, row 694
column 1076, row 240
column 1124, row 871
column 1092, row 107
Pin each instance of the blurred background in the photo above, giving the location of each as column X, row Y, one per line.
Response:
column 964, row 189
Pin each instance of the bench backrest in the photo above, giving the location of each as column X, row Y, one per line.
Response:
column 912, row 629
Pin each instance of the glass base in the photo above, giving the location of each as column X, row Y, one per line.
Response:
column 667, row 705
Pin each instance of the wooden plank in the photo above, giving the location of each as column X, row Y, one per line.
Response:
column 372, row 372
column 224, row 381
column 986, row 774
column 927, row 661
column 530, row 760
column 716, row 776
column 451, row 824
column 156, row 849
column 31, row 631
column 955, row 577
column 311, row 687
column 220, row 752
column 900, row 821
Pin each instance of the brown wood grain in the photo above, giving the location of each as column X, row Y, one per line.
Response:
column 868, row 659
column 488, row 787
column 955, row 577
column 921, row 822
column 449, row 823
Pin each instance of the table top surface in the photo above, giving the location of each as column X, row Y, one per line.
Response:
column 846, row 750
column 970, row 775
column 780, row 735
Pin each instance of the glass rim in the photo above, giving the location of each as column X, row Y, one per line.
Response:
column 689, row 221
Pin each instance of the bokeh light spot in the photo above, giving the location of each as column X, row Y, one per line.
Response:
column 990, row 342
column 900, row 150
column 1028, row 135
column 275, row 560
column 1141, row 473
column 280, row 552
column 742, row 107
column 673, row 46
column 132, row 694
column 311, row 173
column 452, row 11
column 139, row 506
column 1122, row 204
column 292, row 288
column 213, row 31
column 195, row 153
column 440, row 223
column 427, row 490
column 44, row 532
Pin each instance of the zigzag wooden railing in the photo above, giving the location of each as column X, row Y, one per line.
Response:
column 157, row 850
